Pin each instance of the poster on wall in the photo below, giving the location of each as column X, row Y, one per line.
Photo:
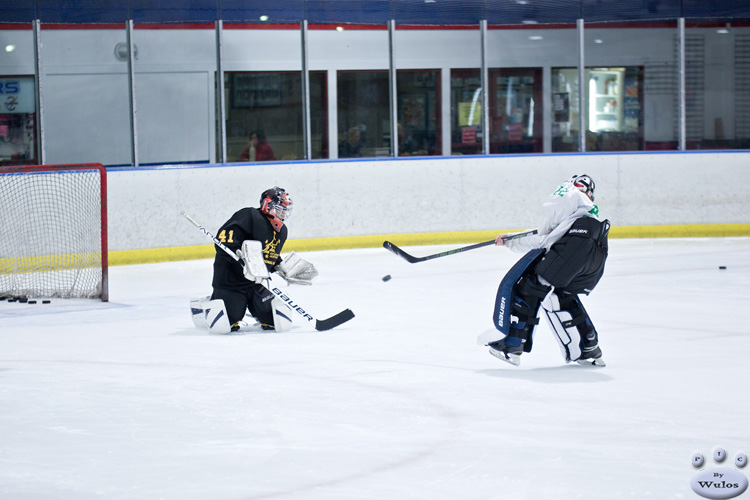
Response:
column 469, row 113
column 17, row 95
column 256, row 90
column 631, row 109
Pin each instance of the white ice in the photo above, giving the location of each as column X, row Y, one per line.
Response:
column 127, row 400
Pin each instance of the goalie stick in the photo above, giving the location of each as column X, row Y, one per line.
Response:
column 412, row 260
column 320, row 325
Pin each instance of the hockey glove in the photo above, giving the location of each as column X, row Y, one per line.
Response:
column 254, row 267
column 296, row 271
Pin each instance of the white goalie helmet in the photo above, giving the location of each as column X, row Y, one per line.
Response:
column 585, row 184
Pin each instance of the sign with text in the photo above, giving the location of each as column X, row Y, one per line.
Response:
column 17, row 95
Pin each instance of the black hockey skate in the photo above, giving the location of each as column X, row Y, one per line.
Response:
column 591, row 356
column 508, row 354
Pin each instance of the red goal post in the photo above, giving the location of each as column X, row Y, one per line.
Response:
column 53, row 231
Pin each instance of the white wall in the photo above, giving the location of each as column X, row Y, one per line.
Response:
column 340, row 198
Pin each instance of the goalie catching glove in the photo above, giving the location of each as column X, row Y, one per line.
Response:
column 296, row 270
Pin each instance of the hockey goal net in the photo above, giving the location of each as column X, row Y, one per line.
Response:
column 53, row 231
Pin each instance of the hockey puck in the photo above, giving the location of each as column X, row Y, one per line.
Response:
column 32, row 302
column 46, row 301
column 387, row 277
column 722, row 267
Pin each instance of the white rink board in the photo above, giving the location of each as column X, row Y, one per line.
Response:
column 354, row 198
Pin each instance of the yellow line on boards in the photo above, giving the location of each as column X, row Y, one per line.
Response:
column 150, row 255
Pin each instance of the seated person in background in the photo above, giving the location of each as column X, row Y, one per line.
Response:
column 407, row 144
column 351, row 147
column 257, row 148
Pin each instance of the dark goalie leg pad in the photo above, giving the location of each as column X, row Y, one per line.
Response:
column 501, row 316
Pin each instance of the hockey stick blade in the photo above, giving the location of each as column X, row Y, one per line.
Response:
column 337, row 319
column 396, row 250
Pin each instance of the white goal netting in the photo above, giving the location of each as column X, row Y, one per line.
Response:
column 53, row 231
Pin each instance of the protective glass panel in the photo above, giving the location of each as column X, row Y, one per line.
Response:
column 466, row 112
column 18, row 120
column 717, row 88
column 363, row 114
column 264, row 118
column 515, row 108
column 419, row 125
column 85, row 95
column 631, row 86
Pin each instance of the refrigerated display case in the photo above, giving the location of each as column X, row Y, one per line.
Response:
column 605, row 99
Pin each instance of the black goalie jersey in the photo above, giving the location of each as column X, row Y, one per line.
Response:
column 246, row 224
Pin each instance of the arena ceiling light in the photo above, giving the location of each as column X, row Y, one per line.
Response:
column 536, row 37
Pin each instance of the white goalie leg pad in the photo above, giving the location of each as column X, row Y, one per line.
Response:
column 255, row 267
column 210, row 315
column 196, row 312
column 568, row 338
column 282, row 315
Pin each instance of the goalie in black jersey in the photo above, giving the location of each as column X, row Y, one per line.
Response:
column 257, row 236
column 564, row 259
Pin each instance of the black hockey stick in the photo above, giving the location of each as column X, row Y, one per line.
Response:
column 412, row 260
column 320, row 325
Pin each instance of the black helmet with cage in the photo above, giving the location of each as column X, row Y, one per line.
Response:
column 585, row 184
column 276, row 205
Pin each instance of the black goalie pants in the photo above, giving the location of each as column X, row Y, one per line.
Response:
column 256, row 299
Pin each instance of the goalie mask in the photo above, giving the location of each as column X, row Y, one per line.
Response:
column 585, row 184
column 276, row 204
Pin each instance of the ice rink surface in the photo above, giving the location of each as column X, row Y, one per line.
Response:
column 127, row 400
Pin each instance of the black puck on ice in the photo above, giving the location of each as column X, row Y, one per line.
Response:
column 32, row 302
column 722, row 267
column 46, row 301
column 387, row 277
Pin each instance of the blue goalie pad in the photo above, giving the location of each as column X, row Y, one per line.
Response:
column 506, row 291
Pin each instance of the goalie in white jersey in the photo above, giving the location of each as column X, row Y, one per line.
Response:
column 564, row 259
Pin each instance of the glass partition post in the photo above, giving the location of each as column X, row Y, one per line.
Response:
column 392, row 87
column 485, row 86
column 131, row 93
column 682, row 135
column 306, row 142
column 582, row 96
column 39, row 96
column 221, row 94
